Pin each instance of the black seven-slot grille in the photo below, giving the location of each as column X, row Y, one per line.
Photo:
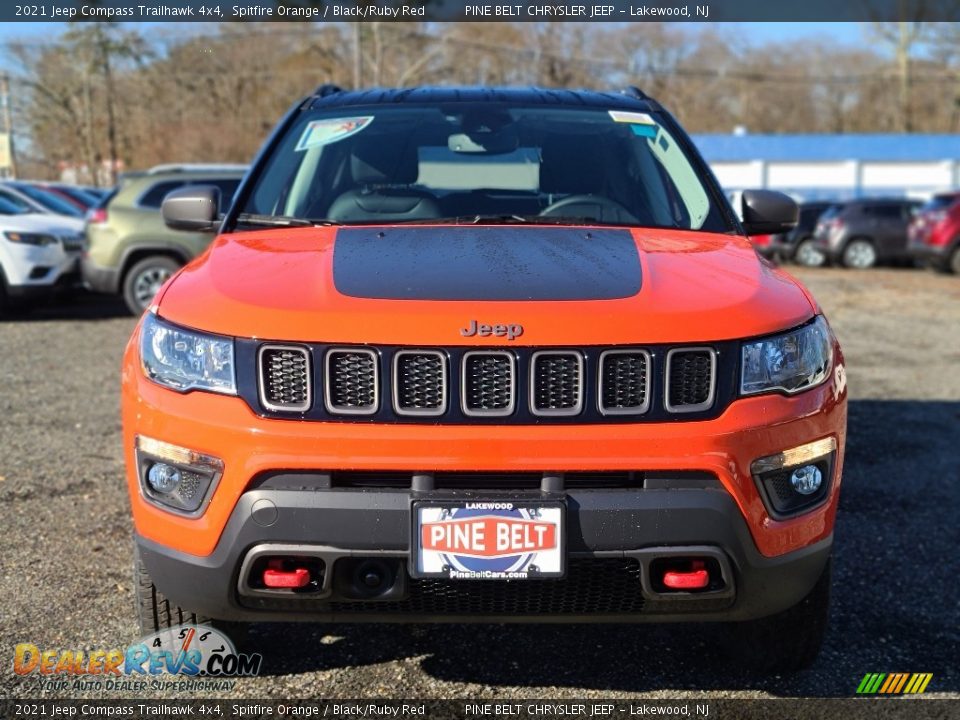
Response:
column 466, row 385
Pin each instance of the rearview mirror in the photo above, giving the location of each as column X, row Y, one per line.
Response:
column 196, row 208
column 766, row 212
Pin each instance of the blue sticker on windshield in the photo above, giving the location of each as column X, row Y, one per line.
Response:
column 649, row 131
column 324, row 132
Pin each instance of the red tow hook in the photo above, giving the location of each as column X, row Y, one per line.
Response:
column 276, row 577
column 694, row 579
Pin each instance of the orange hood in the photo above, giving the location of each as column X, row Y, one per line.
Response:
column 290, row 284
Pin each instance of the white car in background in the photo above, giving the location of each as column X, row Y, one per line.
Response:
column 37, row 253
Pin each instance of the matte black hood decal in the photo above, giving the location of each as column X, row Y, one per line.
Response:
column 486, row 263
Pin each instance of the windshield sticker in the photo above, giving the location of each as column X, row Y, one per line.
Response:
column 631, row 117
column 647, row 131
column 324, row 132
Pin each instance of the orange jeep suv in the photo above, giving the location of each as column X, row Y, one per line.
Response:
column 463, row 354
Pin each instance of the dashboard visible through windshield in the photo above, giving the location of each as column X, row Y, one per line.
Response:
column 481, row 163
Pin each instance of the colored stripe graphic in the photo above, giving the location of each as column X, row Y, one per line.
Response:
column 894, row 683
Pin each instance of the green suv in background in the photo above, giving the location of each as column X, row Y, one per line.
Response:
column 131, row 252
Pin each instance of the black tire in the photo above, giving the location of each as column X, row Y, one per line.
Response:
column 788, row 641
column 143, row 280
column 156, row 612
column 859, row 254
column 809, row 255
column 953, row 265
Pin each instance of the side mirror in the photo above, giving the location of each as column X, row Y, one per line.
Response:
column 195, row 207
column 766, row 212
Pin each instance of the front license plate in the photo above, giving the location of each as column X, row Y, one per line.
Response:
column 488, row 540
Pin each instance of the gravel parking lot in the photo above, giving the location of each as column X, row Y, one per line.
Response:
column 65, row 578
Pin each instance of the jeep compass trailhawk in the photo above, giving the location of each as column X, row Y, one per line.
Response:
column 485, row 355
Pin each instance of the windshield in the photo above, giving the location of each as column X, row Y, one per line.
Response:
column 48, row 200
column 477, row 163
column 10, row 208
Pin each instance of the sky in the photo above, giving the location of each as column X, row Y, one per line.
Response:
column 757, row 33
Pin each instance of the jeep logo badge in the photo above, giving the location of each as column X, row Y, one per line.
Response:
column 510, row 332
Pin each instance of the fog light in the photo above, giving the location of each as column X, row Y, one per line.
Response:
column 806, row 480
column 163, row 478
column 179, row 479
column 797, row 479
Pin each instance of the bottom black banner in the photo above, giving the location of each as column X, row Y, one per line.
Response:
column 913, row 708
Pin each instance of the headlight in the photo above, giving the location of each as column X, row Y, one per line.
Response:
column 185, row 359
column 30, row 238
column 795, row 361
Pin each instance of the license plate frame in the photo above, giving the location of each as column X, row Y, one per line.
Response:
column 544, row 554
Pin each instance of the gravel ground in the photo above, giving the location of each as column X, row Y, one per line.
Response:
column 65, row 579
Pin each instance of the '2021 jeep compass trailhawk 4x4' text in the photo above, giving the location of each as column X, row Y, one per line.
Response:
column 485, row 354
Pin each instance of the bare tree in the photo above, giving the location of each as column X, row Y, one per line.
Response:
column 902, row 38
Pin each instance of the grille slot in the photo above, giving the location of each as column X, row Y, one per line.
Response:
column 690, row 379
column 624, row 382
column 556, row 383
column 352, row 381
column 419, row 382
column 285, row 383
column 489, row 383
column 593, row 586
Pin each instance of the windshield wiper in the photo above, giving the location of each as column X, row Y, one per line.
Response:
column 510, row 220
column 279, row 221
column 472, row 220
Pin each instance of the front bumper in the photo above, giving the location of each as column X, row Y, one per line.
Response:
column 771, row 563
column 613, row 538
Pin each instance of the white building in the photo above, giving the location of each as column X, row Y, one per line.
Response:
column 835, row 166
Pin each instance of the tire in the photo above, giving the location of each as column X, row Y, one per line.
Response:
column 859, row 254
column 953, row 265
column 788, row 641
column 142, row 281
column 808, row 254
column 156, row 612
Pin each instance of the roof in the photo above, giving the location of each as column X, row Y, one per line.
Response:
column 630, row 99
column 807, row 148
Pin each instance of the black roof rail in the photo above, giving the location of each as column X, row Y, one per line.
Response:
column 635, row 92
column 327, row 89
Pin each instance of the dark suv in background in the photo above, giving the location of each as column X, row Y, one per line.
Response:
column 131, row 251
column 862, row 233
column 797, row 244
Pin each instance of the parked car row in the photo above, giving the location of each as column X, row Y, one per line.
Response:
column 112, row 240
column 863, row 233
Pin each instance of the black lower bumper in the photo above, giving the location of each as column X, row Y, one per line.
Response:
column 935, row 256
column 26, row 293
column 100, row 278
column 614, row 537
